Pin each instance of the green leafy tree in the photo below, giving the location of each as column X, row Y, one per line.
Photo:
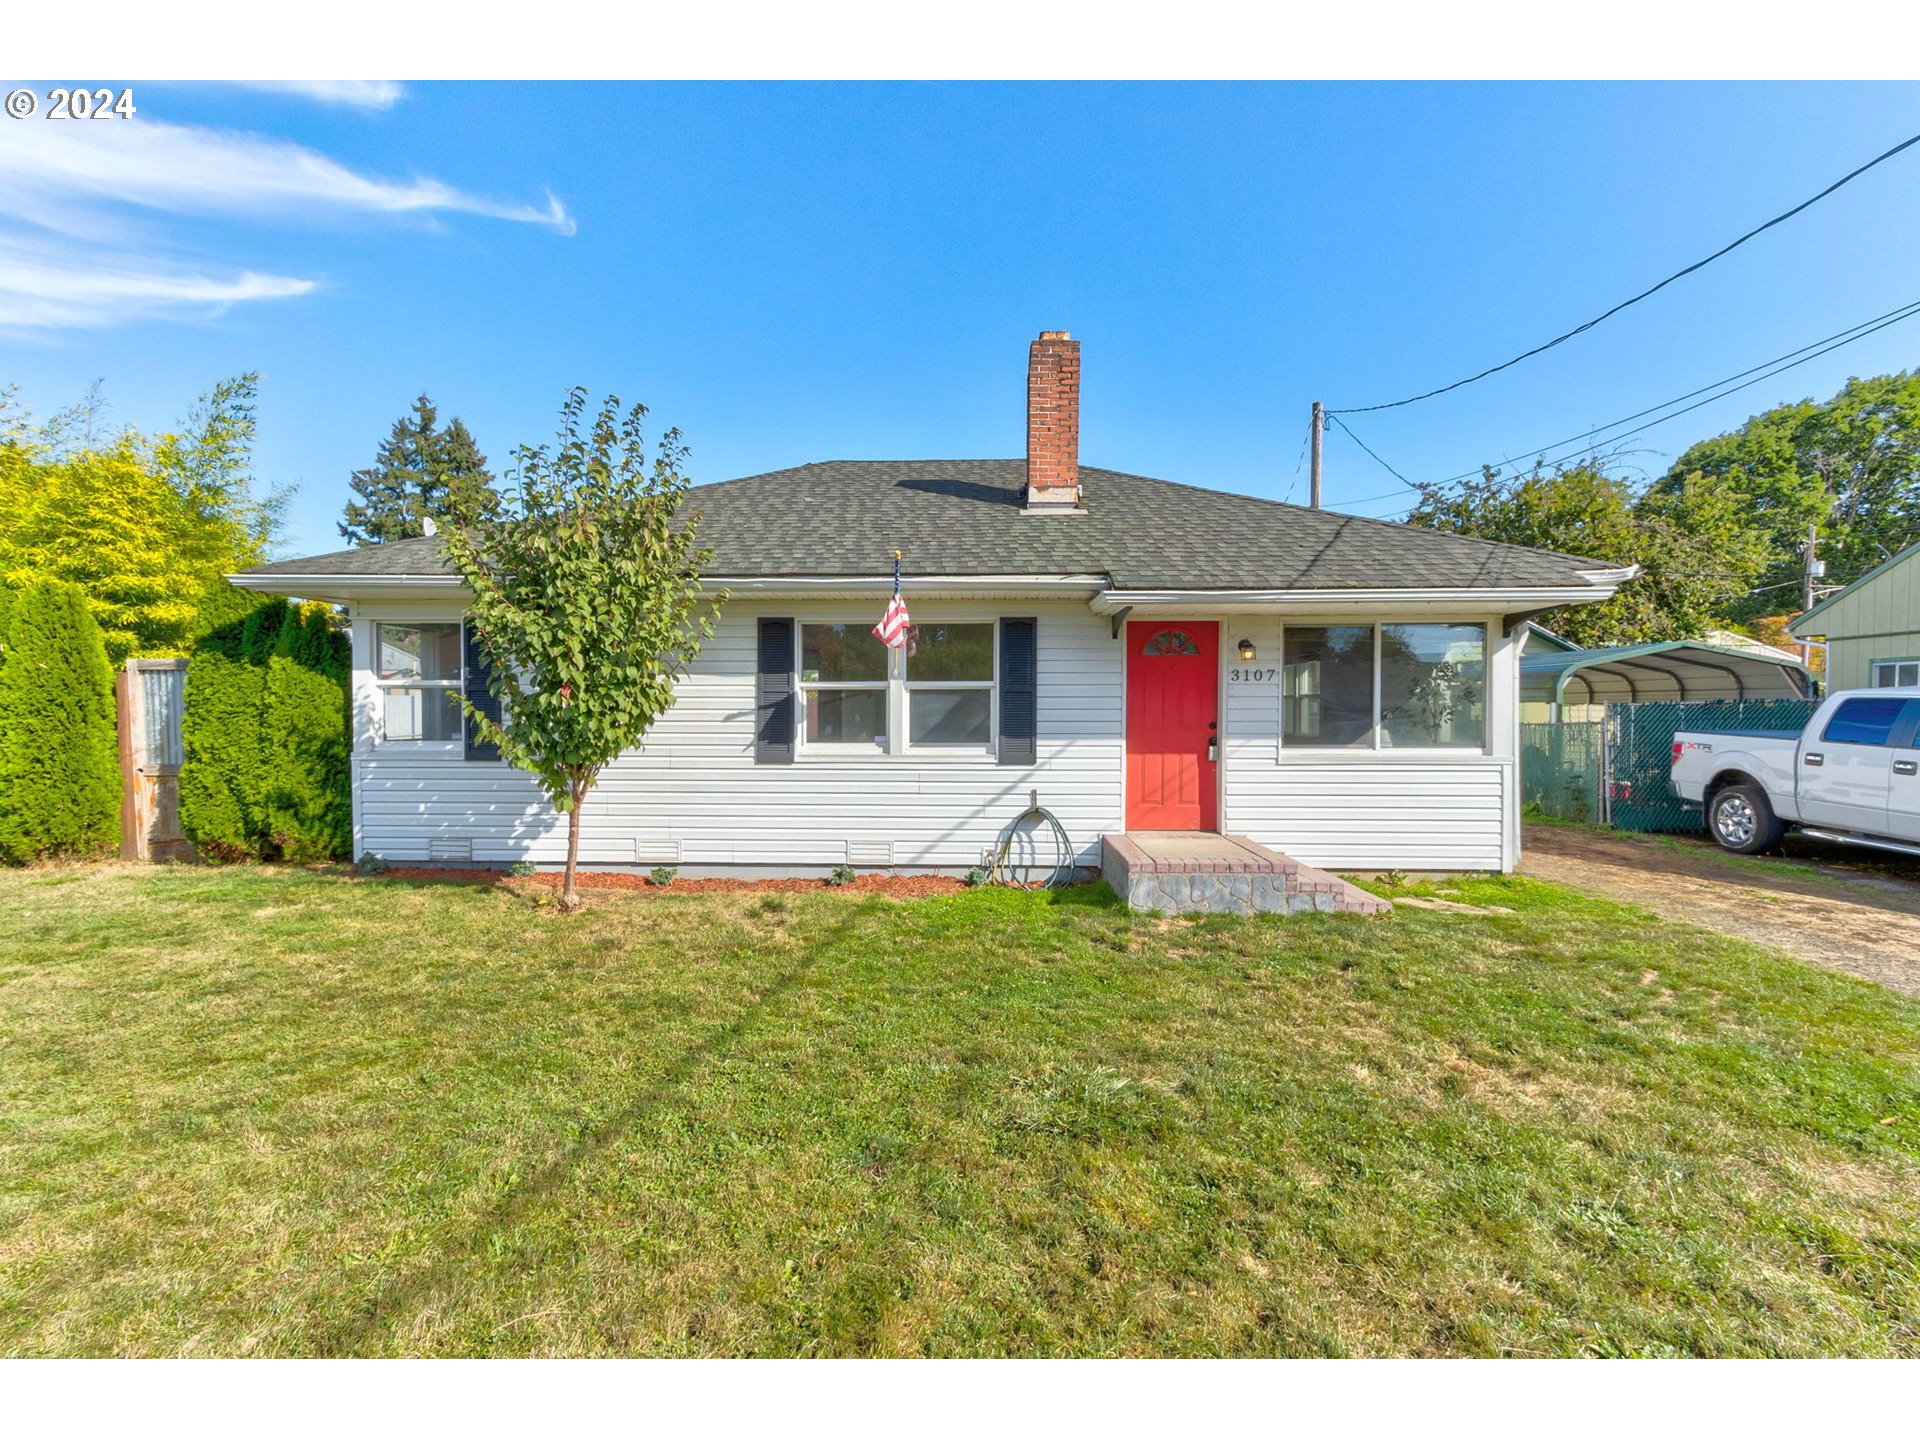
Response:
column 209, row 462
column 146, row 528
column 1698, row 554
column 305, row 797
column 423, row 472
column 587, row 603
column 59, row 762
column 1849, row 468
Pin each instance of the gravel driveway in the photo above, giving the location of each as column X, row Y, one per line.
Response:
column 1849, row 911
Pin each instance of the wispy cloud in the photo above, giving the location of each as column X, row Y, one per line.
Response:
column 360, row 94
column 86, row 182
column 46, row 287
column 186, row 168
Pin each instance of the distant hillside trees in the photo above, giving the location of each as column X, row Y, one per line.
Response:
column 423, row 471
column 146, row 527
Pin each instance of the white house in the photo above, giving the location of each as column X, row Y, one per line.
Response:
column 1146, row 656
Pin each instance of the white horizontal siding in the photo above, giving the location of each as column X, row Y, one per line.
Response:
column 693, row 791
column 693, row 786
column 1374, row 813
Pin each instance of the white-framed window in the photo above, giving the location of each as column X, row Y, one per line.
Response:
column 949, row 681
column 936, row 694
column 1384, row 687
column 845, row 673
column 416, row 666
column 1904, row 671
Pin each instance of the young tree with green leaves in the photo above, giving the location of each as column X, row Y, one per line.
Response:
column 423, row 472
column 59, row 757
column 587, row 603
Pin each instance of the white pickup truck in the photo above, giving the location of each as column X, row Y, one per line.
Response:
column 1852, row 775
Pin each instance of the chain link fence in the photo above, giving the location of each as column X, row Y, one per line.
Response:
column 1615, row 771
column 1561, row 769
column 1639, row 752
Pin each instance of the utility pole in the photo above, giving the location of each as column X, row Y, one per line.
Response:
column 1806, row 587
column 1815, row 570
column 1319, row 424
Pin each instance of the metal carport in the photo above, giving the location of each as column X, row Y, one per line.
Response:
column 1668, row 670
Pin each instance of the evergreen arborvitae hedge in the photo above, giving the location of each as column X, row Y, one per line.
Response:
column 59, row 755
column 223, row 772
column 306, row 801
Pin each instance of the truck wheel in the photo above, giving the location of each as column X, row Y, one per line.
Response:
column 1742, row 821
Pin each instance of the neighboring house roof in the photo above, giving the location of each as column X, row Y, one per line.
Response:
column 965, row 517
column 1546, row 639
column 1669, row 670
column 1801, row 627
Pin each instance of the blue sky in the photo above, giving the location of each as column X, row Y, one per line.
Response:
column 809, row 272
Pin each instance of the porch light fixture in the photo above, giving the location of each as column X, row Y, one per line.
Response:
column 1246, row 650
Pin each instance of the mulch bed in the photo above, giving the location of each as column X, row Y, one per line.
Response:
column 900, row 887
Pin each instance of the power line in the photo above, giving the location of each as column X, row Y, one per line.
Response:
column 1777, row 366
column 1651, row 290
column 1830, row 343
column 1304, row 439
column 1906, row 314
column 1369, row 449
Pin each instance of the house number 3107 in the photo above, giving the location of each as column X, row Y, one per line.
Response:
column 1260, row 674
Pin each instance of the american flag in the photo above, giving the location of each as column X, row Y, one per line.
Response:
column 895, row 629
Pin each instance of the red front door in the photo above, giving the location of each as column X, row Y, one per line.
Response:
column 1173, row 710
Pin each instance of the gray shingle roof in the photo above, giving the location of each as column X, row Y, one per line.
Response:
column 963, row 517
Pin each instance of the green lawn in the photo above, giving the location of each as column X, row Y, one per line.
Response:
column 261, row 1111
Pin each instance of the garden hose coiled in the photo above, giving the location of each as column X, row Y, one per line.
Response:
column 1001, row 871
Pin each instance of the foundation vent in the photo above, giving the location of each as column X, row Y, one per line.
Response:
column 869, row 853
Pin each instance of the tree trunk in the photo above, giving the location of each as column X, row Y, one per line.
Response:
column 569, row 892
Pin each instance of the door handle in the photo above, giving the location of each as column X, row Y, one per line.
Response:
column 1816, row 758
column 1213, row 752
column 1906, row 767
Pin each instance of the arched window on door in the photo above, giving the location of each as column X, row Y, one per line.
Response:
column 1170, row 642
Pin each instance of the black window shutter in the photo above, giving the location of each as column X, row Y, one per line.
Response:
column 474, row 674
column 775, row 710
column 1019, row 691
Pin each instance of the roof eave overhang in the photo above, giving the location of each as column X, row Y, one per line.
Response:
column 1098, row 590
column 1250, row 602
column 343, row 589
column 832, row 586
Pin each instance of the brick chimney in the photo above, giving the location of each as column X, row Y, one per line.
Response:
column 1053, row 423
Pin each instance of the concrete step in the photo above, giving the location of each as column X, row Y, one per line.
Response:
column 1222, row 875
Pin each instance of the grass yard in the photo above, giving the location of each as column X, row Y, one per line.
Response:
column 267, row 1111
